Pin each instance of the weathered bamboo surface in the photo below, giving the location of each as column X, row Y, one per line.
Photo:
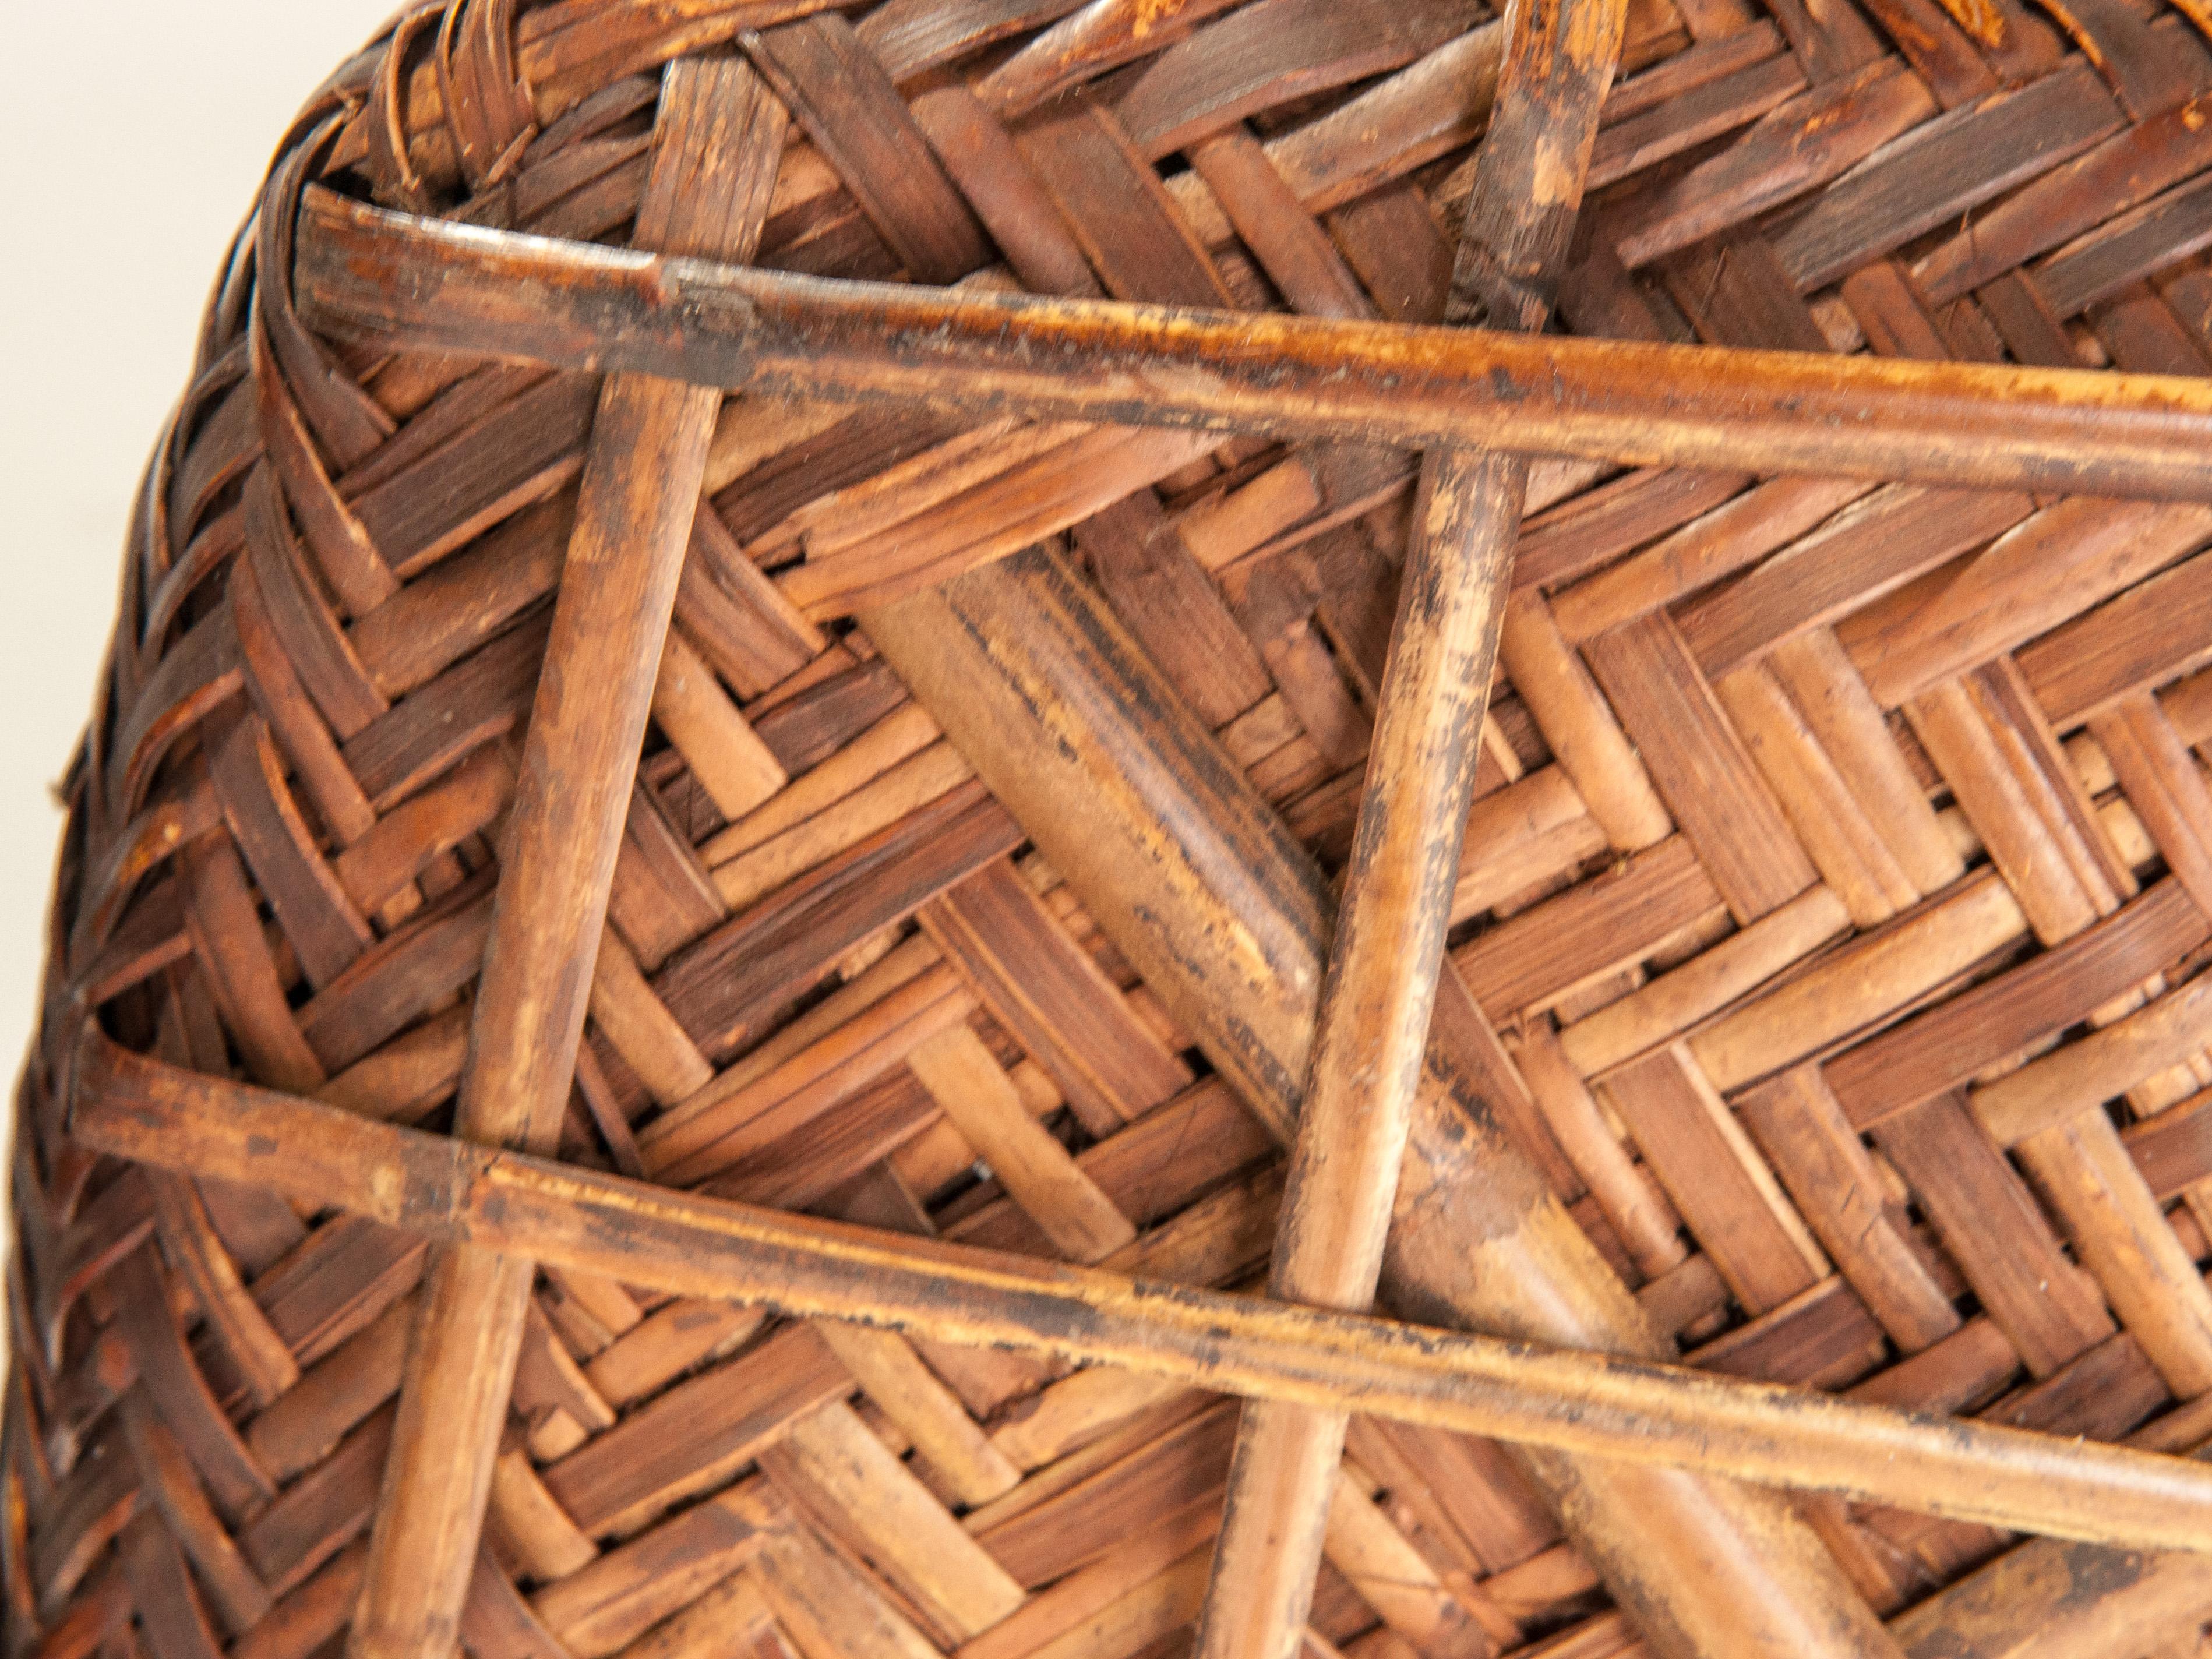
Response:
column 1824, row 1002
column 718, row 137
column 1274, row 1350
column 1378, row 987
column 1202, row 884
column 390, row 280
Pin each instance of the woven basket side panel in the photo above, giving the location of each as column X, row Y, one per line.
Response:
column 1841, row 862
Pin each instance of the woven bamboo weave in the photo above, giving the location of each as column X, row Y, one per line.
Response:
column 395, row 1262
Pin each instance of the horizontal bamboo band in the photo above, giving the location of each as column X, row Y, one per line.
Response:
column 684, row 1244
column 434, row 285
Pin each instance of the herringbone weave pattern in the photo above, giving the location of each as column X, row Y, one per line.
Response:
column 1841, row 862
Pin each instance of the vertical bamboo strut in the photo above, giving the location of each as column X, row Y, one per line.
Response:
column 1203, row 887
column 717, row 140
column 1380, row 991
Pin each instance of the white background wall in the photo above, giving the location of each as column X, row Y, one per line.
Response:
column 135, row 132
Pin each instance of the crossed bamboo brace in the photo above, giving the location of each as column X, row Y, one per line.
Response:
column 679, row 320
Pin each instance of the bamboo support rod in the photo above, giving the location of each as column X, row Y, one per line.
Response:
column 618, row 590
column 1199, row 883
column 685, row 1244
column 430, row 285
column 641, row 485
column 1372, row 1029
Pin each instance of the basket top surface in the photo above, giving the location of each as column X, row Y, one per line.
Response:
column 1819, row 970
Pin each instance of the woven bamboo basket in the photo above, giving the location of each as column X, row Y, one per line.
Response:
column 1028, row 830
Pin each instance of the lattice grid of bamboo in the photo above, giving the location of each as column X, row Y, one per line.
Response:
column 1819, row 999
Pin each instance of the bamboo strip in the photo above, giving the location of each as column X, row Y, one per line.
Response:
column 1202, row 887
column 688, row 1245
column 428, row 285
column 639, row 489
column 1372, row 1029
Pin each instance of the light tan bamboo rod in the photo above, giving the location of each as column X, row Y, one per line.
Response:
column 1199, row 883
column 717, row 139
column 428, row 285
column 1372, row 1029
column 685, row 1244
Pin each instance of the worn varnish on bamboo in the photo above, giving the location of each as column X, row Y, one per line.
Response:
column 698, row 619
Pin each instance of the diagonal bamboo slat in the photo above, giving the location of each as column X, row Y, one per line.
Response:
column 706, row 192
column 1193, row 875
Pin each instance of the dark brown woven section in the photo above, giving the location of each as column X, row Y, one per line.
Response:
column 1841, row 861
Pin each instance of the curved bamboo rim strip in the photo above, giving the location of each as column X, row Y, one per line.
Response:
column 1106, row 829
